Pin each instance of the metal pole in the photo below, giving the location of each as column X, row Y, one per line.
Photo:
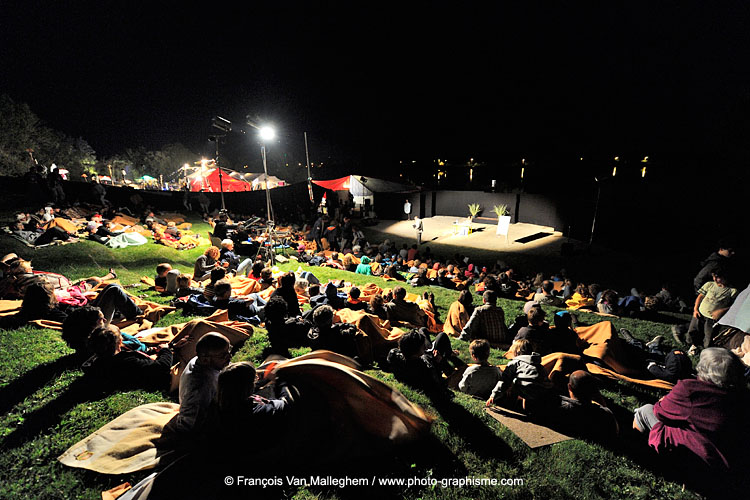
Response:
column 269, row 209
column 221, row 184
column 596, row 209
column 309, row 176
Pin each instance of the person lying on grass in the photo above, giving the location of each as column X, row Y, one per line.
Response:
column 113, row 364
column 39, row 302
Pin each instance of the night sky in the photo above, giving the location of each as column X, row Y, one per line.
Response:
column 379, row 82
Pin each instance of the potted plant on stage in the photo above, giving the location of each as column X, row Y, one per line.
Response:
column 474, row 210
column 503, row 219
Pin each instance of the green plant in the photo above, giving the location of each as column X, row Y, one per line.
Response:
column 474, row 209
column 501, row 210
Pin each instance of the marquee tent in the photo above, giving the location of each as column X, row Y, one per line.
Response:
column 208, row 180
column 363, row 188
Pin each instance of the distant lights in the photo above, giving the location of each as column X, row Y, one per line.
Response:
column 614, row 171
column 645, row 159
column 643, row 172
column 617, row 158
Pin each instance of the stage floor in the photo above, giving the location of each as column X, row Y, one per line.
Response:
column 439, row 231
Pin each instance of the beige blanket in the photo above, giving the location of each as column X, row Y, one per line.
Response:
column 124, row 445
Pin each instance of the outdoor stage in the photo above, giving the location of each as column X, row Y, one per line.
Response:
column 439, row 232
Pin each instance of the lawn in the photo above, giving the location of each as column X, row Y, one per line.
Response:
column 44, row 411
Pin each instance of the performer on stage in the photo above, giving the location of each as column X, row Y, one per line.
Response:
column 407, row 209
column 419, row 227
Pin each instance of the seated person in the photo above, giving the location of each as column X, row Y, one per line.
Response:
column 479, row 379
column 444, row 281
column 706, row 416
column 166, row 277
column 248, row 309
column 536, row 332
column 39, row 302
column 284, row 331
column 198, row 387
column 113, row 365
column 524, row 377
column 287, row 292
column 399, row 310
column 487, row 322
column 583, row 412
column 459, row 313
column 563, row 337
column 354, row 302
column 173, row 231
column 392, row 272
column 237, row 407
column 330, row 296
column 266, row 278
column 377, row 307
column 413, row 365
column 183, row 286
column 364, row 266
column 218, row 273
column 255, row 271
column 227, row 258
column 205, row 264
column 338, row 337
column 546, row 297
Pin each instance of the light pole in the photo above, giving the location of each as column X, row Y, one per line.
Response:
column 267, row 134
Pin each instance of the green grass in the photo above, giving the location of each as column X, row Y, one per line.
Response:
column 44, row 411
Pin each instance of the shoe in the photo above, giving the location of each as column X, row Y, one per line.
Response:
column 677, row 335
column 655, row 342
column 113, row 273
column 693, row 351
column 625, row 335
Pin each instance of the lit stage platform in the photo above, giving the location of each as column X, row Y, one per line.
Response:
column 439, row 231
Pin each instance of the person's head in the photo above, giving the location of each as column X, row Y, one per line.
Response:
column 218, row 274
column 183, row 281
column 582, row 386
column 523, row 346
column 314, row 290
column 20, row 266
column 399, row 292
column 105, row 341
column 212, row 252
column 213, row 350
column 547, row 287
column 266, row 275
column 222, row 289
column 721, row 367
column 235, row 385
column 354, row 293
column 609, row 296
column 412, row 344
column 79, row 324
column 162, row 269
column 563, row 320
column 479, row 350
column 356, row 249
column 257, row 268
column 227, row 244
column 275, row 309
column 535, row 316
column 489, row 297
column 441, row 273
column 38, row 298
column 721, row 277
column 726, row 247
column 287, row 280
column 594, row 289
column 376, row 301
column 347, row 260
column 465, row 298
column 323, row 317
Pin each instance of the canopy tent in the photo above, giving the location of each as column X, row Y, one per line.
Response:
column 738, row 314
column 364, row 188
column 208, row 180
column 259, row 182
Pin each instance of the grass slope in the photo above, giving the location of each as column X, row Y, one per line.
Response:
column 44, row 411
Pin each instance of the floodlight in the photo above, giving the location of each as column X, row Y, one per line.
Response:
column 267, row 133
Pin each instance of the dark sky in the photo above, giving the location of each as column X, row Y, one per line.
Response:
column 376, row 82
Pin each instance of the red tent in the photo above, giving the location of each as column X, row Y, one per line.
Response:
column 341, row 184
column 210, row 183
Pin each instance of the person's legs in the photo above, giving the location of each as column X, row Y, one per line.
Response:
column 51, row 234
column 695, row 331
column 244, row 267
column 708, row 331
column 644, row 418
column 113, row 298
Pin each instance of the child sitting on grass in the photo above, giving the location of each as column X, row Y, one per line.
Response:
column 353, row 302
column 216, row 274
column 524, row 378
column 479, row 379
column 183, row 286
column 166, row 277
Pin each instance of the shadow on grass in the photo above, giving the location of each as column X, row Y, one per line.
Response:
column 33, row 380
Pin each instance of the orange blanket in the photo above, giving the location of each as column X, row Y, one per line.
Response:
column 382, row 336
column 456, row 319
